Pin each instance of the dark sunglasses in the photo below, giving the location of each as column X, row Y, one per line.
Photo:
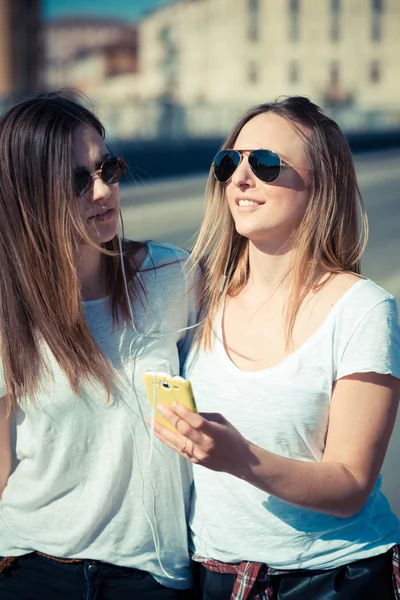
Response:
column 111, row 171
column 265, row 164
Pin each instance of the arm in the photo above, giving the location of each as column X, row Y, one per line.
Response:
column 5, row 445
column 362, row 416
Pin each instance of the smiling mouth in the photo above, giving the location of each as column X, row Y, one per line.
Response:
column 247, row 202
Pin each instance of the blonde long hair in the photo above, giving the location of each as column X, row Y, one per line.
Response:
column 333, row 232
column 40, row 231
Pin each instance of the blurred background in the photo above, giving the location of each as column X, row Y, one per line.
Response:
column 169, row 78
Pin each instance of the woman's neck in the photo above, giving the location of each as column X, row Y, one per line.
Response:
column 268, row 267
column 90, row 273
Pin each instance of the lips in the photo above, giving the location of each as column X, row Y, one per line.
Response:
column 240, row 201
column 101, row 213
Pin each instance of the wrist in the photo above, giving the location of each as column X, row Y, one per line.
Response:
column 245, row 461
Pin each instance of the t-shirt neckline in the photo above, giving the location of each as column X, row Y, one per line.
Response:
column 287, row 359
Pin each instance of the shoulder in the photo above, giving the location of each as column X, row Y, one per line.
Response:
column 362, row 307
column 367, row 331
column 368, row 309
column 349, row 298
column 168, row 264
column 162, row 254
column 357, row 285
column 357, row 295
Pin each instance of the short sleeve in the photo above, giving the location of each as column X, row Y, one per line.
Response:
column 374, row 344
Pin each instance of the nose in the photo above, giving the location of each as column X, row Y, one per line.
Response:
column 243, row 176
column 100, row 189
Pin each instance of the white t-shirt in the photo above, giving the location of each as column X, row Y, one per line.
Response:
column 285, row 410
column 83, row 487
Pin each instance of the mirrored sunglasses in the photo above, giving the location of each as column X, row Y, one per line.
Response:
column 265, row 164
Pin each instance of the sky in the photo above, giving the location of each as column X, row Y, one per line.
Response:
column 122, row 9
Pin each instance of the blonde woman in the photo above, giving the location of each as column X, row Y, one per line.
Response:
column 83, row 312
column 295, row 374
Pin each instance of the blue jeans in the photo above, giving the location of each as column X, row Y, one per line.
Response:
column 34, row 577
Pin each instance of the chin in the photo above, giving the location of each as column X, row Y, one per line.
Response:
column 251, row 233
column 276, row 232
column 107, row 237
column 102, row 235
column 271, row 236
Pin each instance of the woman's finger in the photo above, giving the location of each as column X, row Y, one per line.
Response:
column 186, row 448
column 171, row 444
column 195, row 420
column 182, row 420
column 173, row 437
column 178, row 442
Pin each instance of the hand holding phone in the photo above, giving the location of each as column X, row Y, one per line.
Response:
column 165, row 389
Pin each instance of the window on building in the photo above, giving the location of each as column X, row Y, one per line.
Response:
column 252, row 72
column 335, row 17
column 334, row 74
column 169, row 58
column 293, row 72
column 375, row 72
column 254, row 9
column 335, row 6
column 377, row 6
column 376, row 24
column 294, row 22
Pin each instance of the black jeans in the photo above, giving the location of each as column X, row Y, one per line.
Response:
column 368, row 579
column 34, row 577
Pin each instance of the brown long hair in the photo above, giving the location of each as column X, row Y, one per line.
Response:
column 333, row 232
column 40, row 229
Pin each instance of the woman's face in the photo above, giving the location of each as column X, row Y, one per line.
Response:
column 276, row 208
column 99, row 207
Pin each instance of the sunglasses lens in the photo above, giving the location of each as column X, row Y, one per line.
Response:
column 113, row 169
column 266, row 164
column 225, row 163
column 82, row 182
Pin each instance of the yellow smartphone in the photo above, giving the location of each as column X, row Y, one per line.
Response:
column 165, row 389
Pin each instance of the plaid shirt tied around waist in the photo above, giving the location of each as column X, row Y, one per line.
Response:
column 253, row 579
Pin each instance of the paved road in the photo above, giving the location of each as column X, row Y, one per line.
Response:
column 172, row 210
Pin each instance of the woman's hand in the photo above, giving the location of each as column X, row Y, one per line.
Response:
column 206, row 439
column 362, row 415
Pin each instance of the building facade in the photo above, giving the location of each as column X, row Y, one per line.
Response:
column 192, row 67
column 215, row 58
column 82, row 52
